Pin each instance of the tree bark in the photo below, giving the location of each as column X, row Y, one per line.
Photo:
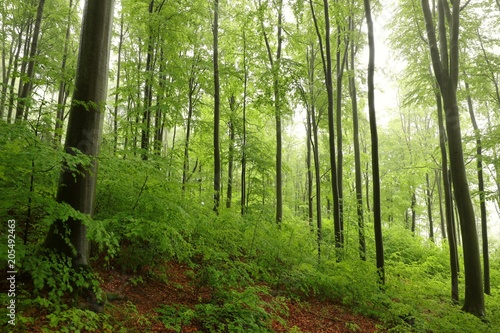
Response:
column 244, row 143
column 377, row 217
column 84, row 130
column 445, row 65
column 217, row 163
column 229, row 194
column 429, row 207
column 357, row 154
column 482, row 199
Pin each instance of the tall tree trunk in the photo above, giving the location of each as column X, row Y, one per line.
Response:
column 309, row 138
column 25, row 92
column 446, row 65
column 193, row 86
column 244, row 143
column 217, row 162
column 117, row 88
column 148, row 91
column 482, row 199
column 357, row 154
column 448, row 200
column 377, row 217
column 341, row 60
column 229, row 195
column 326, row 58
column 84, row 130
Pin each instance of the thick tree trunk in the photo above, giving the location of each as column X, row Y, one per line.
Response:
column 25, row 92
column 448, row 199
column 445, row 63
column 84, row 130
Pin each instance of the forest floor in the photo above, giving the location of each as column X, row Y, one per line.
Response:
column 144, row 297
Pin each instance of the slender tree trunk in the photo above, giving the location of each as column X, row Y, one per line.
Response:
column 357, row 155
column 25, row 92
column 482, row 199
column 148, row 91
column 446, row 65
column 217, row 162
column 117, row 88
column 326, row 58
column 192, row 89
column 413, row 212
column 229, row 195
column 341, row 60
column 429, row 207
column 437, row 176
column 244, row 143
column 310, row 199
column 84, row 130
column 377, row 217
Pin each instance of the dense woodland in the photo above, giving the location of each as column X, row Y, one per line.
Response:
column 248, row 159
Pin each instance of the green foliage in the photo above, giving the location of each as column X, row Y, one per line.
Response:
column 75, row 320
column 230, row 311
column 55, row 275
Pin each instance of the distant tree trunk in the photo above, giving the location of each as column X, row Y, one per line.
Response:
column 341, row 60
column 63, row 91
column 159, row 122
column 310, row 200
column 413, row 212
column 315, row 149
column 429, row 207
column 84, row 130
column 244, row 143
column 229, row 195
column 117, row 88
column 445, row 61
column 357, row 154
column 148, row 91
column 437, row 176
column 10, row 67
column 217, row 163
column 25, row 92
column 482, row 199
column 377, row 217
column 193, row 86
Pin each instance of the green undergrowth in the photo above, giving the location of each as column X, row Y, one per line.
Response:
column 144, row 219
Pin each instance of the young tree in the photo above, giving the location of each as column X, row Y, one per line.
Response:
column 445, row 63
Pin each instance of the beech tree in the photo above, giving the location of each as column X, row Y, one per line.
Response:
column 445, row 63
column 77, row 187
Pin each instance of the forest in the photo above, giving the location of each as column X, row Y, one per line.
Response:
column 250, row 166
